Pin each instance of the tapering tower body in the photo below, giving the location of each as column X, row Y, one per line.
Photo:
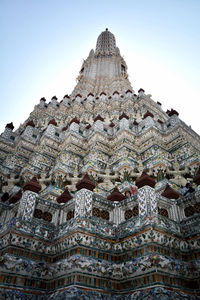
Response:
column 100, row 194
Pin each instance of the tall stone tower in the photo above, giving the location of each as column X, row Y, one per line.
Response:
column 100, row 194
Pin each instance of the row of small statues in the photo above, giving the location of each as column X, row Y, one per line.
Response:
column 125, row 174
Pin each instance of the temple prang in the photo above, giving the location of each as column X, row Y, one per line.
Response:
column 100, row 193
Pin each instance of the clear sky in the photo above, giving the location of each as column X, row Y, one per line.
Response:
column 43, row 44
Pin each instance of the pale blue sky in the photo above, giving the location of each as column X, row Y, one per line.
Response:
column 43, row 44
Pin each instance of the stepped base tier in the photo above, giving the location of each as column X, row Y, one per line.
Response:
column 100, row 194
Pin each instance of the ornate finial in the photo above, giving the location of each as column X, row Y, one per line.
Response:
column 64, row 197
column 106, row 44
column 116, row 195
column 10, row 126
column 85, row 183
column 33, row 185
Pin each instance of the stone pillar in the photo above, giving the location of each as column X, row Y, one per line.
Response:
column 55, row 217
column 175, row 212
column 61, row 217
column 28, row 131
column 83, row 203
column 74, row 127
column 98, row 126
column 124, row 124
column 42, row 102
column 50, row 131
column 27, row 205
column 148, row 122
column 140, row 92
column 117, row 215
column 7, row 133
column 147, row 202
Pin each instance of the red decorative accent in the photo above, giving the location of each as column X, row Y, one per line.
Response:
column 129, row 91
column 197, row 177
column 78, row 95
column 85, row 183
column 145, row 179
column 116, row 195
column 135, row 123
column 13, row 199
column 148, row 114
column 159, row 121
column 43, row 99
column 111, row 125
column 10, row 126
column 65, row 128
column 54, row 98
column 66, row 96
column 88, row 126
column 116, row 92
column 102, row 93
column 53, row 122
column 172, row 112
column 30, row 123
column 134, row 190
column 90, row 94
column 170, row 193
column 98, row 118
column 141, row 90
column 123, row 116
column 64, row 197
column 4, row 197
column 74, row 120
column 135, row 95
column 97, row 98
column 33, row 185
column 110, row 97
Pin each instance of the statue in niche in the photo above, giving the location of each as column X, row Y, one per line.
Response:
column 140, row 169
column 160, row 175
column 60, row 183
column 44, row 181
column 178, row 174
column 107, row 177
column 11, row 182
column 126, row 176
column 73, row 180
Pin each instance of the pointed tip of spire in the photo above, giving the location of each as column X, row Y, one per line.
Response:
column 85, row 183
column 32, row 185
column 170, row 193
column 30, row 123
column 123, row 115
column 53, row 122
column 116, row 195
column 64, row 197
column 10, row 126
column 145, row 179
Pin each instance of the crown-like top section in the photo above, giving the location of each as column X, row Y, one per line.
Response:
column 106, row 44
column 104, row 70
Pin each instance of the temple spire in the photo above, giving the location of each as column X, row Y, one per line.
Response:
column 104, row 70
